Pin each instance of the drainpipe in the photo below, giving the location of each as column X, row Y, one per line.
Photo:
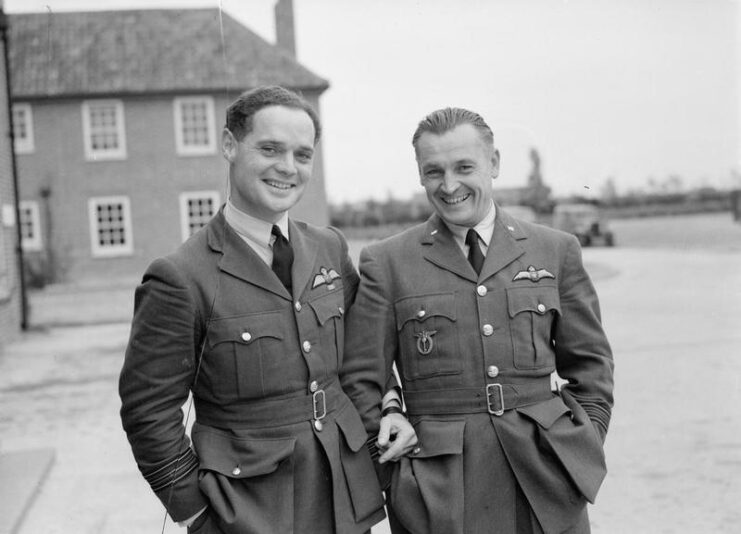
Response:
column 14, row 169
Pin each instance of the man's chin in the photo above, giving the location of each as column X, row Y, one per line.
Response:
column 452, row 217
column 286, row 200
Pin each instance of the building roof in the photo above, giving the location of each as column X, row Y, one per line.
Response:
column 143, row 51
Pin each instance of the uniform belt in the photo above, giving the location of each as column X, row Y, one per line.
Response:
column 273, row 412
column 494, row 398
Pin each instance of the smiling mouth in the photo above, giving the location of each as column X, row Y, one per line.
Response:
column 451, row 201
column 279, row 185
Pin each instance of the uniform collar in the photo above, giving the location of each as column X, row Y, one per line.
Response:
column 253, row 228
column 485, row 228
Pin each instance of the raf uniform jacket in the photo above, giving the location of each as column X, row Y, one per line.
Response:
column 475, row 355
column 277, row 445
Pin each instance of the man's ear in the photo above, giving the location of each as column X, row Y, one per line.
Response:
column 228, row 145
column 495, row 164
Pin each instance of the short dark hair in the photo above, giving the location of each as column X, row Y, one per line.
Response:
column 241, row 112
column 443, row 120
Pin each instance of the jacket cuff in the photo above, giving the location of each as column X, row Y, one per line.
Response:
column 176, row 485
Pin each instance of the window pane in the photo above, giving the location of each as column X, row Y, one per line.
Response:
column 195, row 121
column 200, row 211
column 20, row 125
column 111, row 227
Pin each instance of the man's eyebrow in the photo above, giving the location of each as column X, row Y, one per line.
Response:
column 306, row 148
column 268, row 140
column 431, row 165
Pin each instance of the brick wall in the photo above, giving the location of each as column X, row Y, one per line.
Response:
column 152, row 177
column 9, row 279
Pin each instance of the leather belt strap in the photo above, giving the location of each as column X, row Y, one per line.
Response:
column 494, row 398
column 273, row 412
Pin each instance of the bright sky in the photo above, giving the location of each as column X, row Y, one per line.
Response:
column 629, row 89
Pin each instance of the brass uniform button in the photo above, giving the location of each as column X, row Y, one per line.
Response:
column 482, row 291
column 421, row 313
column 318, row 425
column 297, row 306
column 236, row 471
column 246, row 336
column 487, row 330
column 313, row 386
column 306, row 346
column 492, row 371
column 541, row 308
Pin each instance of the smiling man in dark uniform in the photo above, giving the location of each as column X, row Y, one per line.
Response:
column 477, row 310
column 247, row 315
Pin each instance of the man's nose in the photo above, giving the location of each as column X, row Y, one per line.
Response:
column 449, row 184
column 286, row 165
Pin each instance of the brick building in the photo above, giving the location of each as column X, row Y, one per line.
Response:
column 118, row 120
column 10, row 282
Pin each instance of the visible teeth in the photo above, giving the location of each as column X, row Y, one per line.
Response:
column 456, row 200
column 278, row 185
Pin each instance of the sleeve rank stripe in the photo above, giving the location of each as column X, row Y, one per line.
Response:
column 180, row 472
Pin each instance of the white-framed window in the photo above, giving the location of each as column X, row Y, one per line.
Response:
column 103, row 129
column 195, row 133
column 23, row 129
column 30, row 224
column 110, row 226
column 196, row 209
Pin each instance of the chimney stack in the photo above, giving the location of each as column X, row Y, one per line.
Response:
column 285, row 36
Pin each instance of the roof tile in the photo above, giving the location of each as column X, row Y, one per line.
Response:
column 143, row 51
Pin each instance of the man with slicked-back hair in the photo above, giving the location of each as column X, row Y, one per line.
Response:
column 248, row 317
column 477, row 309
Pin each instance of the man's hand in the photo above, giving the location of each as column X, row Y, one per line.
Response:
column 396, row 438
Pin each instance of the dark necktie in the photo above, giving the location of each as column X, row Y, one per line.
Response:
column 475, row 256
column 282, row 257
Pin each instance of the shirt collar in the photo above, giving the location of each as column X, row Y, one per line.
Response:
column 485, row 227
column 251, row 227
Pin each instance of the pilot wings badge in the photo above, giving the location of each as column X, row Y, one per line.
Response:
column 533, row 274
column 325, row 276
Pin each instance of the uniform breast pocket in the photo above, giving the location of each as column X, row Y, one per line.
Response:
column 428, row 338
column 329, row 311
column 237, row 351
column 532, row 311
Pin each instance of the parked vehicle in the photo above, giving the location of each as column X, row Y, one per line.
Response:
column 586, row 222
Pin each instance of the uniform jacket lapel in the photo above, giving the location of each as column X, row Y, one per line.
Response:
column 442, row 250
column 304, row 256
column 238, row 259
column 503, row 247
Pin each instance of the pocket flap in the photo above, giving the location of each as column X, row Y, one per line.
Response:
column 328, row 306
column 245, row 329
column 352, row 428
column 436, row 438
column 533, row 299
column 421, row 308
column 545, row 413
column 239, row 457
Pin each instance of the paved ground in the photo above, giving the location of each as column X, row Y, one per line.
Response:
column 674, row 448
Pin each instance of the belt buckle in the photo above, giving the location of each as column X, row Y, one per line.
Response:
column 490, row 394
column 320, row 404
